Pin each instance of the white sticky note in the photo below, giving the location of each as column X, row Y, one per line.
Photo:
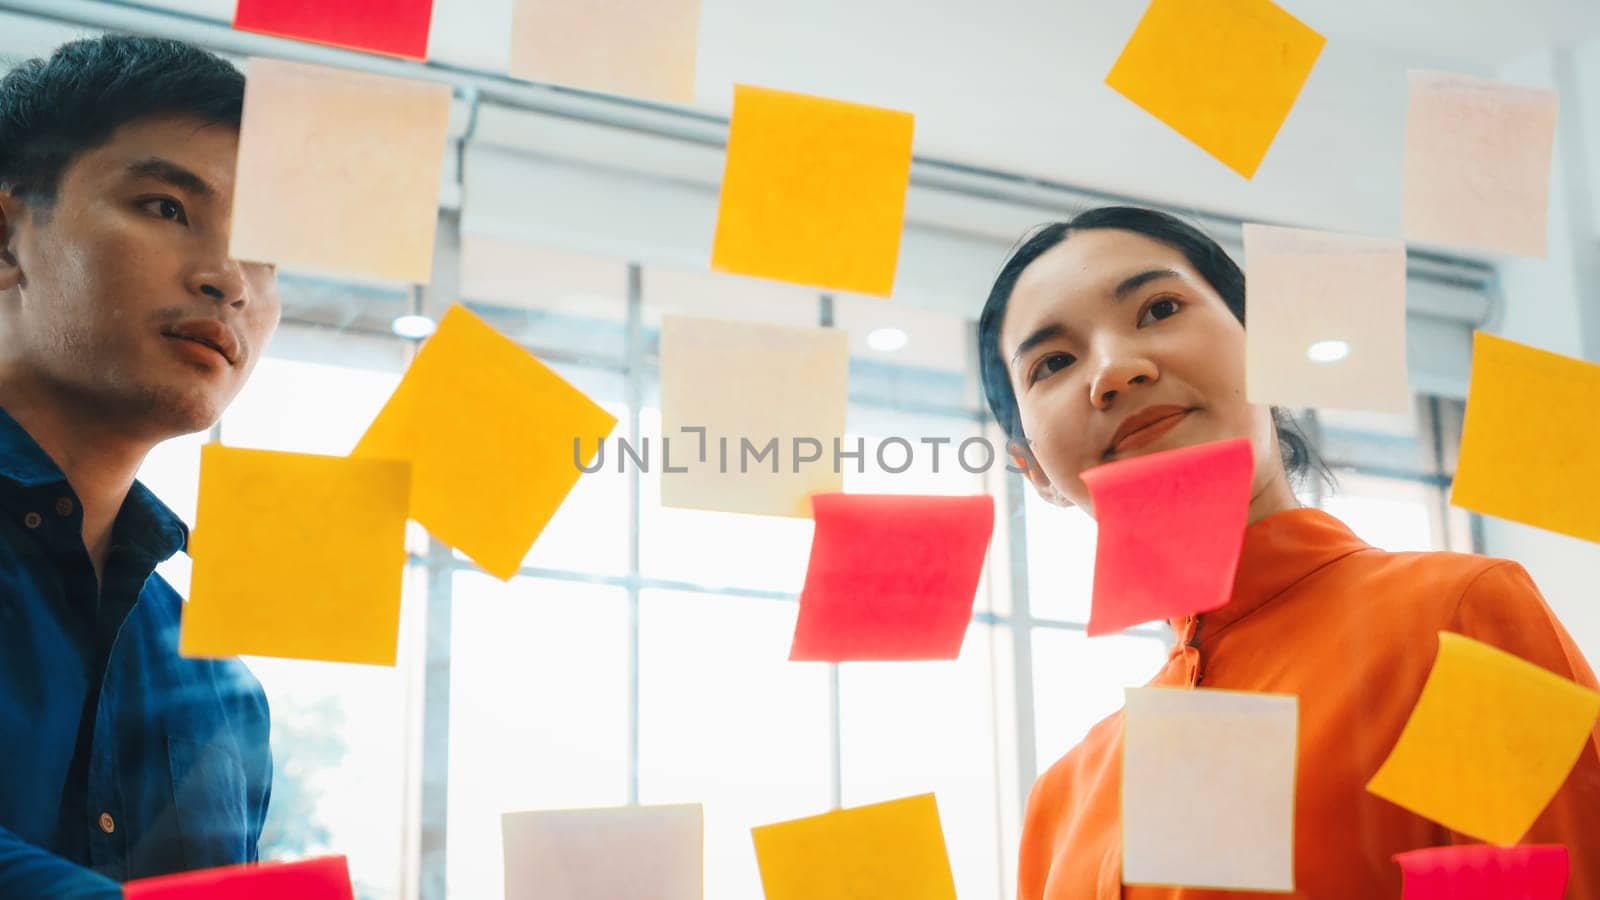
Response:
column 637, row 852
column 1477, row 163
column 1326, row 323
column 641, row 48
column 1208, row 788
column 769, row 397
column 339, row 171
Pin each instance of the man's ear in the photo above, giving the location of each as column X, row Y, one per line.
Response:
column 11, row 212
column 1022, row 458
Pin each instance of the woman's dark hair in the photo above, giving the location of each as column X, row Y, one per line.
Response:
column 54, row 110
column 1219, row 270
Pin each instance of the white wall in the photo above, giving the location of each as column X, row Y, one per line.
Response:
column 1554, row 303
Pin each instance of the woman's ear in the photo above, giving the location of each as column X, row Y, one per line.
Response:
column 1023, row 461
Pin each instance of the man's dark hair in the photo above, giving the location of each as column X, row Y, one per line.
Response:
column 1300, row 458
column 54, row 110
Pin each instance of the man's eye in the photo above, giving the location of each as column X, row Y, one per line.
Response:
column 1164, row 308
column 1050, row 365
column 166, row 208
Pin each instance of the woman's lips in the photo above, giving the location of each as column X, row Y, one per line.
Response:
column 1146, row 435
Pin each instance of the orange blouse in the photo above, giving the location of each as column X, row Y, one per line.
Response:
column 1353, row 631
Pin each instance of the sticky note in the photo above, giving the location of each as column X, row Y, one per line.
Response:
column 339, row 171
column 642, row 48
column 891, row 576
column 1327, row 325
column 814, row 191
column 1529, row 440
column 748, row 385
column 296, row 556
column 1485, row 872
column 493, row 437
column 1489, row 742
column 1223, row 73
column 1208, row 782
column 325, row 878
column 395, row 27
column 1171, row 527
column 894, row 849
column 1477, row 163
column 642, row 852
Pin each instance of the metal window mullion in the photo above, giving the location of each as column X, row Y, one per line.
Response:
column 634, row 388
column 825, row 317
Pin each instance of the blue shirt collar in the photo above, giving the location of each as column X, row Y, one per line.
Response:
column 143, row 520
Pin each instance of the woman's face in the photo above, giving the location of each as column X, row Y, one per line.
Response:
column 1116, row 348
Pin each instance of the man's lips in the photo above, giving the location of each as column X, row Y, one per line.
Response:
column 209, row 333
column 1146, row 423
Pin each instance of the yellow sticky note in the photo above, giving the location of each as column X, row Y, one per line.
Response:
column 643, row 48
column 1489, row 743
column 1477, row 163
column 489, row 431
column 814, row 191
column 296, row 556
column 1327, row 320
column 339, row 171
column 769, row 432
column 1230, row 757
column 1530, row 437
column 1222, row 73
column 894, row 849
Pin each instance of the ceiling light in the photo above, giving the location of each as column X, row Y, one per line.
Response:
column 1328, row 351
column 414, row 327
column 887, row 340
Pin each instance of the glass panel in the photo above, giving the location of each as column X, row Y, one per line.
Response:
column 538, row 710
column 726, row 720
column 1388, row 513
column 911, row 728
column 1060, row 559
column 306, row 407
column 1077, row 681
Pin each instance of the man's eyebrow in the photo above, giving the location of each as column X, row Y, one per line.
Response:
column 171, row 173
column 1039, row 336
column 1134, row 282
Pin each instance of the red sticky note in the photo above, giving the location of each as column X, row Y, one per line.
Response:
column 1171, row 525
column 325, row 878
column 1485, row 872
column 891, row 576
column 396, row 27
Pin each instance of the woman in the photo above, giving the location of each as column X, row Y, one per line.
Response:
column 1121, row 333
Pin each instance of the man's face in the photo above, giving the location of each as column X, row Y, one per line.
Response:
column 121, row 297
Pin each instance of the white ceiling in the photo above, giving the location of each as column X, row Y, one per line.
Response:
column 1018, row 85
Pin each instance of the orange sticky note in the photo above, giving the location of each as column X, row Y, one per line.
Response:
column 1230, row 757
column 642, row 48
column 1490, row 741
column 1171, row 527
column 296, row 556
column 894, row 849
column 490, row 433
column 814, row 191
column 325, row 878
column 1477, row 163
column 339, row 171
column 1222, row 73
column 1529, row 440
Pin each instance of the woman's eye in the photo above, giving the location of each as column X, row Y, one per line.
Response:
column 1050, row 365
column 166, row 208
column 1164, row 308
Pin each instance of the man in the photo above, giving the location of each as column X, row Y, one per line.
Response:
column 122, row 323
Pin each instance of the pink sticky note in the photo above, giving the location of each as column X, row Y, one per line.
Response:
column 1171, row 525
column 395, row 27
column 891, row 577
column 1485, row 872
column 326, row 878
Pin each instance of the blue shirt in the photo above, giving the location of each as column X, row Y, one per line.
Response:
column 119, row 759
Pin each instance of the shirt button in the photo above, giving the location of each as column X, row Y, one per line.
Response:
column 64, row 507
column 107, row 824
column 32, row 520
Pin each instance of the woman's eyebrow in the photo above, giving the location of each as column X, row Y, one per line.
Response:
column 1134, row 282
column 1039, row 336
